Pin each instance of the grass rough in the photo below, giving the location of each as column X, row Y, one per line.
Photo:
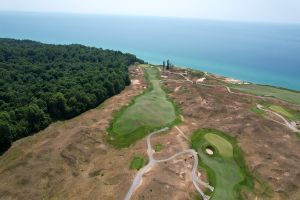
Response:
column 158, row 147
column 257, row 111
column 137, row 163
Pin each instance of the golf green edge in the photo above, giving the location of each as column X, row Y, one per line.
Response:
column 227, row 173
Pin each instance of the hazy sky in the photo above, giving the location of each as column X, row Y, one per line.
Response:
column 244, row 10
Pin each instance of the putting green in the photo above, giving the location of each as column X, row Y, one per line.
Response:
column 148, row 112
column 225, row 169
column 223, row 146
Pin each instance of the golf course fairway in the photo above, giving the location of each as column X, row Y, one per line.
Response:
column 289, row 114
column 225, row 168
column 150, row 111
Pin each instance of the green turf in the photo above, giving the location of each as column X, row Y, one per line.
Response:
column 226, row 168
column 148, row 112
column 281, row 110
column 258, row 111
column 223, row 146
column 263, row 90
column 290, row 114
column 158, row 147
column 137, row 163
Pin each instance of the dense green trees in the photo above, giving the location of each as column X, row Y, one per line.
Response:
column 41, row 83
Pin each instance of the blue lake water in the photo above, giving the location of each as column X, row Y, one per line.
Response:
column 260, row 53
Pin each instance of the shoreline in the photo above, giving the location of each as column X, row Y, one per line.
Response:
column 238, row 81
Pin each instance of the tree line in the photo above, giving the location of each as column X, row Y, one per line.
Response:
column 41, row 83
column 167, row 65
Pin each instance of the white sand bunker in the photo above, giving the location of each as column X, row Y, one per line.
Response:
column 234, row 81
column 200, row 80
column 135, row 82
column 177, row 89
column 209, row 151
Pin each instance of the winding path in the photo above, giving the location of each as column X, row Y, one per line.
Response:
column 138, row 178
column 286, row 122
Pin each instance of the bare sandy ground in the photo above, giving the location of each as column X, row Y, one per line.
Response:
column 135, row 82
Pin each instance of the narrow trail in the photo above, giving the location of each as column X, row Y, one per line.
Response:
column 286, row 122
column 138, row 178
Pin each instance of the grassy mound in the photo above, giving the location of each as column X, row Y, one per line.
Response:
column 158, row 147
column 225, row 168
column 137, row 163
column 149, row 111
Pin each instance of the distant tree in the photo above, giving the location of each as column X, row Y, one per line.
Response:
column 168, row 64
column 164, row 65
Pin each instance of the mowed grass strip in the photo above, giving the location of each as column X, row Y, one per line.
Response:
column 226, row 169
column 264, row 90
column 148, row 112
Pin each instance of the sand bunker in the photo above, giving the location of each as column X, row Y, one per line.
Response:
column 135, row 82
column 177, row 88
column 200, row 80
column 235, row 81
column 231, row 80
column 209, row 151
